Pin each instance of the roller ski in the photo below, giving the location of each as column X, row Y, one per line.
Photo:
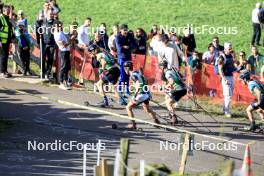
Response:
column 130, row 127
column 251, row 128
column 102, row 104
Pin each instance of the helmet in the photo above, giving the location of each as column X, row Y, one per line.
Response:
column 163, row 64
column 245, row 75
column 128, row 64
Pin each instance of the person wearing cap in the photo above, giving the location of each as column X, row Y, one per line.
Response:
column 64, row 49
column 257, row 89
column 24, row 45
column 174, row 86
column 142, row 94
column 226, row 67
column 125, row 44
column 109, row 71
column 6, row 36
column 256, row 25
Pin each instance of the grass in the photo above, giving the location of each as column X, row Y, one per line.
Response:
column 144, row 13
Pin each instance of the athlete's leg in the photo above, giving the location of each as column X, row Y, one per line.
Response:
column 151, row 113
column 130, row 113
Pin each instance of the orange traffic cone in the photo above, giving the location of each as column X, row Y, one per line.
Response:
column 246, row 167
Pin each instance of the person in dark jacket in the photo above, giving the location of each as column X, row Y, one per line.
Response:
column 49, row 42
column 104, row 36
column 125, row 44
column 6, row 36
column 39, row 30
column 189, row 43
column 98, row 41
column 141, row 42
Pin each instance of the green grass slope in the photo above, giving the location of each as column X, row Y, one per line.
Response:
column 144, row 13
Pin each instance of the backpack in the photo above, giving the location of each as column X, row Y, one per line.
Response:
column 261, row 16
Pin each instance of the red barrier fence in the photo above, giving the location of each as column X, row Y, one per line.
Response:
column 205, row 81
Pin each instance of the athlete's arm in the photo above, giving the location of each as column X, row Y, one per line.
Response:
column 258, row 94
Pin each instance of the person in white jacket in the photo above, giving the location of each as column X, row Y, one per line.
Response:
column 170, row 53
column 83, row 33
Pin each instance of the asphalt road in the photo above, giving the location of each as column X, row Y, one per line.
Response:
column 45, row 121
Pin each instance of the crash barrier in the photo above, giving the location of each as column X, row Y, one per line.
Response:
column 204, row 81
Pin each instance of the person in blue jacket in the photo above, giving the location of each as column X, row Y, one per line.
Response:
column 257, row 89
column 24, row 46
column 125, row 44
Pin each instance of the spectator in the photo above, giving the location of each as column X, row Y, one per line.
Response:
column 83, row 34
column 21, row 17
column 55, row 7
column 170, row 53
column 189, row 43
column 73, row 34
column 124, row 44
column 153, row 32
column 226, row 68
column 255, row 61
column 64, row 48
column 241, row 64
column 98, row 41
column 39, row 35
column 172, row 37
column 156, row 45
column 218, row 48
column 111, row 41
column 178, row 42
column 104, row 36
column 193, row 62
column 24, row 45
column 209, row 56
column 6, row 36
column 141, row 41
column 46, row 8
column 256, row 25
column 49, row 43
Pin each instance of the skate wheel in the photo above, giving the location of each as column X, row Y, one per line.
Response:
column 114, row 126
column 235, row 128
column 86, row 103
column 261, row 131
